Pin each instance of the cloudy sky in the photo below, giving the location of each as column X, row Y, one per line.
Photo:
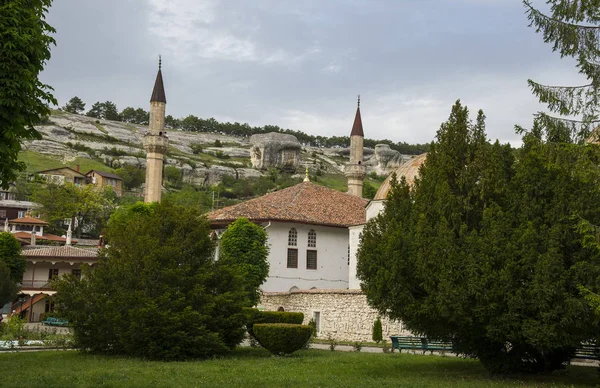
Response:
column 300, row 64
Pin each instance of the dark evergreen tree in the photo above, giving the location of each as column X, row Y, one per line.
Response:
column 157, row 292
column 484, row 251
column 110, row 111
column 12, row 267
column 75, row 105
column 573, row 27
column 97, row 110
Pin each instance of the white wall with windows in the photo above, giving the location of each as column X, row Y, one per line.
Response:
column 306, row 256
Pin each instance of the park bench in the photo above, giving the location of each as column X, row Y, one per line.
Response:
column 420, row 343
column 55, row 322
column 588, row 352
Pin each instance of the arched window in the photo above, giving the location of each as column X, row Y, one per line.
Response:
column 312, row 239
column 280, row 308
column 293, row 237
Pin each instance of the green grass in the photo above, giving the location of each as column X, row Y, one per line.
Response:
column 249, row 367
column 38, row 162
column 100, row 128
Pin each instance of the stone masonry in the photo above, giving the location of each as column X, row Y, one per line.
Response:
column 343, row 314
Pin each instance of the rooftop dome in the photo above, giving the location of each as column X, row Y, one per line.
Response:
column 409, row 169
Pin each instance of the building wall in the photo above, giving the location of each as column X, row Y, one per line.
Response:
column 332, row 258
column 101, row 181
column 354, row 238
column 42, row 270
column 62, row 175
column 343, row 314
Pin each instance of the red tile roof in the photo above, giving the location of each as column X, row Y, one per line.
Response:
column 305, row 202
column 60, row 251
column 46, row 236
column 27, row 221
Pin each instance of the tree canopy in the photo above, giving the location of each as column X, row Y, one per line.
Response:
column 12, row 267
column 244, row 245
column 484, row 249
column 157, row 291
column 25, row 48
column 573, row 27
column 75, row 105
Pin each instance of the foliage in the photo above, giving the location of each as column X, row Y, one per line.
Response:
column 282, row 338
column 196, row 148
column 357, row 346
column 75, row 105
column 15, row 327
column 484, row 250
column 254, row 316
column 12, row 267
column 377, row 334
column 104, row 110
column 135, row 116
column 368, row 190
column 157, row 292
column 25, row 48
column 244, row 246
column 172, row 175
column 133, row 176
column 573, row 27
column 189, row 196
column 87, row 207
column 332, row 342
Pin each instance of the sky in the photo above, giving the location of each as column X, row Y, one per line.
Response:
column 301, row 64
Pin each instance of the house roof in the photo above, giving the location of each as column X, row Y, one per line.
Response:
column 14, row 204
column 357, row 128
column 60, row 168
column 158, row 93
column 105, row 174
column 60, row 251
column 27, row 221
column 305, row 202
column 26, row 236
column 408, row 169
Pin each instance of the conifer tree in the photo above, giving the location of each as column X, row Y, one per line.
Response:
column 573, row 27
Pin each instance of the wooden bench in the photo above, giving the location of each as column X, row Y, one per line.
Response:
column 588, row 352
column 420, row 343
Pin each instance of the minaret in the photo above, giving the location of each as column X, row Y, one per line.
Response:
column 355, row 171
column 156, row 140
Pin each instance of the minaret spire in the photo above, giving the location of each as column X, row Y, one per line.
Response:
column 160, row 65
column 355, row 171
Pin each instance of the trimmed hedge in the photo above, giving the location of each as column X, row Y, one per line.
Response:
column 282, row 338
column 256, row 316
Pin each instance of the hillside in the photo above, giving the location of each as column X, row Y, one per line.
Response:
column 202, row 158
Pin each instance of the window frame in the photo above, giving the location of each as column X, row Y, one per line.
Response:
column 312, row 238
column 288, row 258
column 293, row 237
column 316, row 266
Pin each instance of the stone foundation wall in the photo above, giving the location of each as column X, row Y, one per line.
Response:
column 343, row 314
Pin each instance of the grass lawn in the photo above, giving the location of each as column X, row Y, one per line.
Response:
column 249, row 367
column 38, row 162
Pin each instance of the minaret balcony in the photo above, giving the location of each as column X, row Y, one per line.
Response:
column 156, row 143
column 357, row 171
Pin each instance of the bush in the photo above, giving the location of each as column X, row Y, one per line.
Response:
column 254, row 316
column 282, row 338
column 377, row 330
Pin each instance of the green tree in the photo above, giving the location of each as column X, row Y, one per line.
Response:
column 12, row 267
column 133, row 176
column 368, row 190
column 484, row 250
column 244, row 244
column 75, row 105
column 189, row 196
column 377, row 335
column 87, row 207
column 573, row 27
column 172, row 175
column 128, row 115
column 96, row 111
column 25, row 48
column 157, row 292
column 110, row 111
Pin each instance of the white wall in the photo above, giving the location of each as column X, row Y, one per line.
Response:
column 355, row 232
column 332, row 258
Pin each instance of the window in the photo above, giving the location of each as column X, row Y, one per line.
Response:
column 49, row 306
column 52, row 273
column 312, row 238
column 293, row 237
column 2, row 213
column 317, row 319
column 76, row 273
column 311, row 259
column 22, row 213
column 292, row 258
column 3, row 195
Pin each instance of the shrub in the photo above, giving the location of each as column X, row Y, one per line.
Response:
column 357, row 346
column 377, row 331
column 196, row 148
column 282, row 338
column 332, row 342
column 255, row 316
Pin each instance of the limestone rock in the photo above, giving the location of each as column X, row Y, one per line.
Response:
column 245, row 173
column 387, row 159
column 233, row 152
column 278, row 150
column 49, row 148
column 216, row 173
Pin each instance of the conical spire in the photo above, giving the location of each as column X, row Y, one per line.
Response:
column 357, row 129
column 158, row 94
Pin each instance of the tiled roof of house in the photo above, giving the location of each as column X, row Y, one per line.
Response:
column 27, row 221
column 305, row 203
column 60, row 168
column 26, row 236
column 409, row 170
column 60, row 251
column 105, row 174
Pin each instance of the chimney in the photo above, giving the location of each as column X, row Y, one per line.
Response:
column 69, row 235
column 33, row 235
column 77, row 168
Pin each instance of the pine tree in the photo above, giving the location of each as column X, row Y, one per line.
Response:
column 377, row 335
column 75, row 105
column 574, row 29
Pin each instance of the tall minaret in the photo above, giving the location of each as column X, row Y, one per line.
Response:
column 355, row 171
column 156, row 140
